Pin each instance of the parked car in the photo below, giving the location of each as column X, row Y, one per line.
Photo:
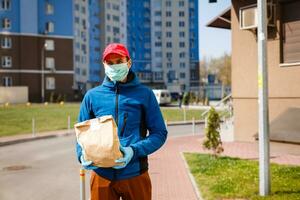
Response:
column 163, row 97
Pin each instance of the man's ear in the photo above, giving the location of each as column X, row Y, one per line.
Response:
column 129, row 63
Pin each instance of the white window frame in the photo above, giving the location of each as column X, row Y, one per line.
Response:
column 6, row 61
column 50, row 45
column 6, row 42
column 49, row 9
column 7, row 80
column 50, row 83
column 5, row 4
column 49, row 27
column 50, row 63
column 6, row 23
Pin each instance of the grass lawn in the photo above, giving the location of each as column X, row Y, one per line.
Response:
column 230, row 178
column 17, row 119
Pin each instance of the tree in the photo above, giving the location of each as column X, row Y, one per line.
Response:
column 212, row 139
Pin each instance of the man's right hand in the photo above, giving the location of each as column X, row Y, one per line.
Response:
column 87, row 164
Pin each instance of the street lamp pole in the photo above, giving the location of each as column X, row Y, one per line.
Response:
column 263, row 103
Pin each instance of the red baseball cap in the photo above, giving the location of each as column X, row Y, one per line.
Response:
column 116, row 48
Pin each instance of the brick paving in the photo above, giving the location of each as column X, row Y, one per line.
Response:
column 170, row 178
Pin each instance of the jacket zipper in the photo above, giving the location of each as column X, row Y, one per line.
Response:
column 117, row 118
column 124, row 124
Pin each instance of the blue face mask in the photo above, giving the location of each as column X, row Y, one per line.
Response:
column 117, row 72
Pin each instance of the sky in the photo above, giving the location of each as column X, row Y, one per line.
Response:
column 213, row 42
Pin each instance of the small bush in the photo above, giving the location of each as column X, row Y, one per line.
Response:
column 212, row 139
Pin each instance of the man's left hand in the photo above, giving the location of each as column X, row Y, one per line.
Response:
column 127, row 156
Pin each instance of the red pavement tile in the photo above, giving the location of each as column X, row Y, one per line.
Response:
column 170, row 179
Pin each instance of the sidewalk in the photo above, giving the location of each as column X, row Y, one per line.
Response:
column 170, row 178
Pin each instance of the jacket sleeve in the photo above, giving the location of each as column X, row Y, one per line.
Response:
column 156, row 127
column 85, row 113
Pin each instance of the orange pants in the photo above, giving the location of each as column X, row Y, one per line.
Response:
column 136, row 188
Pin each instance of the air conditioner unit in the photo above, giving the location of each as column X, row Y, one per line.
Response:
column 249, row 18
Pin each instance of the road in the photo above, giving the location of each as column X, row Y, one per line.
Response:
column 47, row 169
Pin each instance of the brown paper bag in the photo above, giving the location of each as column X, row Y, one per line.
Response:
column 99, row 140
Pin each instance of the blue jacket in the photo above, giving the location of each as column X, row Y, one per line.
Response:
column 138, row 116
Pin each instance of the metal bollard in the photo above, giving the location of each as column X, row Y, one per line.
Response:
column 69, row 124
column 33, row 127
column 82, row 184
column 193, row 126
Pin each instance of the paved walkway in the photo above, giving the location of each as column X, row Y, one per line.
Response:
column 170, row 177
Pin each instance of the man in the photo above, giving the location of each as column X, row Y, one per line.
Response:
column 135, row 110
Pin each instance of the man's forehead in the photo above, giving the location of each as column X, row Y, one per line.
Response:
column 114, row 56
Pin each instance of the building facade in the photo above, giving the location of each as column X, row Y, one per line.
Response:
column 161, row 36
column 283, row 60
column 37, row 47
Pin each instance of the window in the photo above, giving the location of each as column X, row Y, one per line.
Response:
column 6, row 61
column 181, row 34
column 158, row 44
column 192, row 4
column 49, row 9
column 50, row 83
column 182, row 75
column 147, row 55
column 157, row 13
column 50, row 27
column 181, row 3
column 181, row 24
column 168, row 34
column 157, row 23
column 169, row 65
column 182, row 55
column 83, row 10
column 182, row 65
column 157, row 34
column 115, row 7
column 77, row 20
column 84, row 24
column 169, row 54
column 77, row 7
column 6, row 23
column 290, row 40
column 181, row 44
column 7, row 81
column 116, row 18
column 108, row 16
column 5, row 4
column 181, row 14
column 6, row 42
column 168, row 24
column 158, row 75
column 168, row 3
column 169, row 44
column 49, row 45
column 146, row 4
column 50, row 63
column 168, row 14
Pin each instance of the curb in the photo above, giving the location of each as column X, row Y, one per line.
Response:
column 185, row 123
column 29, row 139
column 192, row 179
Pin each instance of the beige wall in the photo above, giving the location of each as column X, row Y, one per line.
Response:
column 13, row 94
column 284, row 82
